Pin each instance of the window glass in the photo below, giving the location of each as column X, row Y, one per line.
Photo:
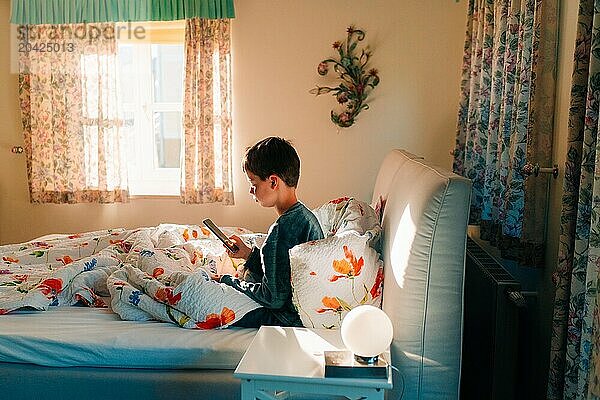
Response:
column 167, row 138
column 167, row 72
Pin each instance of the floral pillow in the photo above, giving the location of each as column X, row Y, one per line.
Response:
column 379, row 207
column 332, row 276
column 347, row 214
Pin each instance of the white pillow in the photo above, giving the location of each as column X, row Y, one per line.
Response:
column 347, row 214
column 333, row 275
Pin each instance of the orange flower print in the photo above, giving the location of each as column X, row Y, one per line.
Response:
column 379, row 207
column 99, row 303
column 3, row 311
column 348, row 268
column 196, row 256
column 213, row 321
column 121, row 245
column 186, row 234
column 21, row 278
column 313, row 273
column 377, row 286
column 77, row 235
column 339, row 200
column 332, row 304
column 65, row 260
column 10, row 260
column 158, row 271
column 205, row 231
column 96, row 301
column 165, row 294
column 51, row 287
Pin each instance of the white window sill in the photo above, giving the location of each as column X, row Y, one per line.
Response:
column 154, row 197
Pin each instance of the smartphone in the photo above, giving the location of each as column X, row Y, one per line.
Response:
column 220, row 235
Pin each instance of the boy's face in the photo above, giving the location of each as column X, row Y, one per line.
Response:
column 261, row 190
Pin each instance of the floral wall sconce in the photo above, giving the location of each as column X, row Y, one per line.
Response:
column 355, row 83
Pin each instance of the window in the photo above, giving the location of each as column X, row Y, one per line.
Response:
column 151, row 76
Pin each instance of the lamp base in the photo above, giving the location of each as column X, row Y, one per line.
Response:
column 366, row 360
column 343, row 364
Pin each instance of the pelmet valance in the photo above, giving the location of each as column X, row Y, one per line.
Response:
column 33, row 12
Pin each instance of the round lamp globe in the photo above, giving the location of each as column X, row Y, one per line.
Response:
column 367, row 331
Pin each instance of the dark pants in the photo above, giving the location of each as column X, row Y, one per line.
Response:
column 257, row 318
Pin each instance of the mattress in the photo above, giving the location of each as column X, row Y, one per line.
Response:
column 96, row 337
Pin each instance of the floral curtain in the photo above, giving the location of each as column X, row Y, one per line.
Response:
column 206, row 165
column 574, row 354
column 506, row 120
column 67, row 90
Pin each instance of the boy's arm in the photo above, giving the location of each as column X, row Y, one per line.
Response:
column 274, row 290
column 252, row 268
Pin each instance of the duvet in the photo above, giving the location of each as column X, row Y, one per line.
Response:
column 159, row 273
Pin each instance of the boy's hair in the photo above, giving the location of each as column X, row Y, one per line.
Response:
column 273, row 156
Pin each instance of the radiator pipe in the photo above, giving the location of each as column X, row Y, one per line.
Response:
column 529, row 294
column 518, row 297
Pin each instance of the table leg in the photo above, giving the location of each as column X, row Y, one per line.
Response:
column 248, row 389
column 367, row 394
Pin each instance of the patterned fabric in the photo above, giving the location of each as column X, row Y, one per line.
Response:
column 574, row 355
column 151, row 273
column 332, row 276
column 70, row 116
column 206, row 170
column 506, row 119
column 346, row 214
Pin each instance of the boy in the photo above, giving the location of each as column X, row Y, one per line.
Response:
column 273, row 168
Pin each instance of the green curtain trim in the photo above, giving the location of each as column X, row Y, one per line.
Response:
column 34, row 12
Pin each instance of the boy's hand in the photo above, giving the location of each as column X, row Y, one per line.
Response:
column 243, row 252
column 215, row 277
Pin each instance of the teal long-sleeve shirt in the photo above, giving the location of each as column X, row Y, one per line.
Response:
column 270, row 265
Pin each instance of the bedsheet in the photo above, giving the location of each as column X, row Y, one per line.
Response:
column 158, row 273
column 83, row 336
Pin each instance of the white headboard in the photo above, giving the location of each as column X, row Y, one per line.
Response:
column 425, row 227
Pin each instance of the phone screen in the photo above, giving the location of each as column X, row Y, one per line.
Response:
column 220, row 235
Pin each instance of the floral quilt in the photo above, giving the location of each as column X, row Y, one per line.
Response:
column 159, row 273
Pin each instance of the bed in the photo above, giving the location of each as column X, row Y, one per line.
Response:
column 69, row 352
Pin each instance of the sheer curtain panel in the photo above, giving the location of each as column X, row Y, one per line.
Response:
column 206, row 165
column 70, row 116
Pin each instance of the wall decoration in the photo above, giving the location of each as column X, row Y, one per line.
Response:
column 355, row 79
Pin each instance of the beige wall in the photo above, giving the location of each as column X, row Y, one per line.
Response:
column 277, row 44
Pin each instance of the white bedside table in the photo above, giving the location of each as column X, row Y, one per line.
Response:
column 280, row 361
